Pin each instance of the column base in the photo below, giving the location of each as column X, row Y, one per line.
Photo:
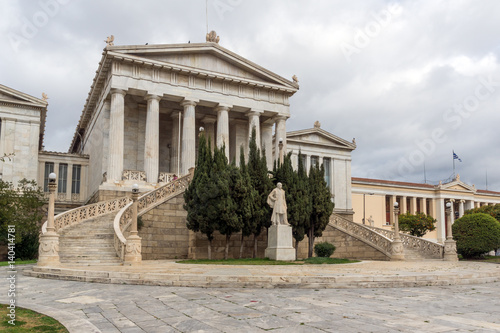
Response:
column 48, row 250
column 450, row 250
column 279, row 243
column 397, row 250
column 133, row 250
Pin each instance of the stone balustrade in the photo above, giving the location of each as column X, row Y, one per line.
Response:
column 425, row 247
column 146, row 202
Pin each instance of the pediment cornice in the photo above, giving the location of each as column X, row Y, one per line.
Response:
column 333, row 140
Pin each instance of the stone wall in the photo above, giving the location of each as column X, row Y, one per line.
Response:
column 165, row 236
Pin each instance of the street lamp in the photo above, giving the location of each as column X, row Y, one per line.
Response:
column 133, row 246
column 450, row 246
column 397, row 249
column 364, row 210
column 48, row 253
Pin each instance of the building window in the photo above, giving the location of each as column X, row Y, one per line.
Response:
column 63, row 178
column 49, row 168
column 75, row 181
column 326, row 165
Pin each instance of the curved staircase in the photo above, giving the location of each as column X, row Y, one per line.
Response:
column 89, row 243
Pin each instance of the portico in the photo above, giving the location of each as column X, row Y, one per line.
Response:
column 148, row 104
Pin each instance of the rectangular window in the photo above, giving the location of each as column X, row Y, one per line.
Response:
column 75, row 181
column 49, row 168
column 63, row 178
column 326, row 165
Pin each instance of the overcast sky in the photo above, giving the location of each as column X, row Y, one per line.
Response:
column 410, row 80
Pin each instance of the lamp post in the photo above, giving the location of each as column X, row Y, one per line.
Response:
column 450, row 246
column 397, row 249
column 133, row 249
column 48, row 251
column 364, row 210
column 280, row 145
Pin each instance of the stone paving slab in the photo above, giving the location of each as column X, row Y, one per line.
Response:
column 367, row 274
column 140, row 308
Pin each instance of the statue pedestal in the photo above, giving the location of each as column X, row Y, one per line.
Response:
column 280, row 243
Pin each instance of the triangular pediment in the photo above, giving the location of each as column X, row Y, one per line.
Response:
column 318, row 136
column 9, row 95
column 209, row 58
column 458, row 185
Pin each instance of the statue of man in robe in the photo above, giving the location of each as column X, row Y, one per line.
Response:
column 276, row 200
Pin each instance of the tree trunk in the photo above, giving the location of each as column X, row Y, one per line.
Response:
column 241, row 245
column 209, row 249
column 311, row 242
column 226, row 250
column 296, row 250
column 254, row 245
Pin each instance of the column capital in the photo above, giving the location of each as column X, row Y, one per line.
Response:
column 189, row 102
column 223, row 107
column 281, row 117
column 152, row 96
column 253, row 112
column 118, row 91
column 209, row 119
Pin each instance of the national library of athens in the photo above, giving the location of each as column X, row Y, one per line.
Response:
column 140, row 125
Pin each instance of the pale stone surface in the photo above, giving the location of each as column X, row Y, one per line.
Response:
column 151, row 150
column 279, row 244
column 188, row 154
column 116, row 132
column 223, row 128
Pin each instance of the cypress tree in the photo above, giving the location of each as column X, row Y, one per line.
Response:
column 322, row 206
column 246, row 203
column 257, row 169
column 300, row 212
column 200, row 195
column 226, row 179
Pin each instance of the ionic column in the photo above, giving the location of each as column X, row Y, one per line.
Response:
column 267, row 144
column 308, row 163
column 320, row 161
column 461, row 208
column 176, row 140
column 188, row 156
column 413, row 205
column 152, row 144
column 209, row 124
column 223, row 128
column 280, row 134
column 440, row 217
column 253, row 122
column 423, row 205
column 403, row 205
column 116, row 131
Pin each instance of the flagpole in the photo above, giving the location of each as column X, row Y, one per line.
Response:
column 453, row 156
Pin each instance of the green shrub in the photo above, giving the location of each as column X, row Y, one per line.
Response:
column 476, row 234
column 324, row 249
column 416, row 225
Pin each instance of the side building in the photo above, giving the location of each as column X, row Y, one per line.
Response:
column 373, row 201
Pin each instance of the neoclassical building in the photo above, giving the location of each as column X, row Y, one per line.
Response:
column 373, row 201
column 147, row 104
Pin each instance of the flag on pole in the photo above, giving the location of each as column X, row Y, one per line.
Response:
column 455, row 157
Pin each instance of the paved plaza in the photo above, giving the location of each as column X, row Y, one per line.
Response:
column 93, row 307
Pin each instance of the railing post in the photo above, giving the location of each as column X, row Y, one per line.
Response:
column 450, row 246
column 133, row 254
column 397, row 249
column 48, row 250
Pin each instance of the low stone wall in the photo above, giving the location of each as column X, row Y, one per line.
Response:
column 165, row 236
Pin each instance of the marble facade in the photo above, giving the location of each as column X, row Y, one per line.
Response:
column 148, row 104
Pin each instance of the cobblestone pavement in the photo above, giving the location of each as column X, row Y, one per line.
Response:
column 132, row 308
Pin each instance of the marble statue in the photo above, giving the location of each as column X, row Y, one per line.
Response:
column 276, row 200
column 110, row 40
column 212, row 37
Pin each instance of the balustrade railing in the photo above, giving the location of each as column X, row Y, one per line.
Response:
column 146, row 202
column 426, row 247
column 377, row 240
column 79, row 214
column 134, row 175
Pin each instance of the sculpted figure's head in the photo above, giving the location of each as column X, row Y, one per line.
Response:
column 279, row 185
